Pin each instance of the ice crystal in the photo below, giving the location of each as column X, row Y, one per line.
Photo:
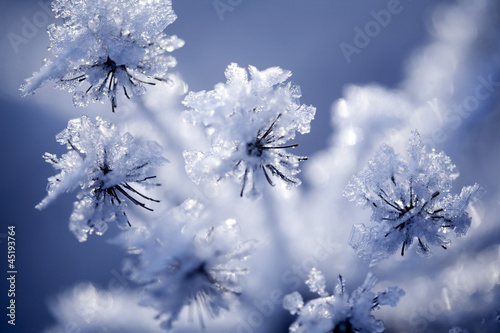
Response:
column 249, row 122
column 193, row 266
column 339, row 312
column 110, row 44
column 293, row 302
column 316, row 282
column 410, row 200
column 104, row 165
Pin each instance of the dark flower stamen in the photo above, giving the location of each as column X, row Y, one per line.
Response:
column 266, row 140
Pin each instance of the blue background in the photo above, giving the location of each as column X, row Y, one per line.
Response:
column 299, row 35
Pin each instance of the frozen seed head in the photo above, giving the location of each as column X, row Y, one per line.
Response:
column 108, row 168
column 265, row 153
column 410, row 201
column 114, row 45
column 339, row 312
column 250, row 121
column 191, row 266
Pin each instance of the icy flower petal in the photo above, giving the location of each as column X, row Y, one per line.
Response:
column 410, row 201
column 111, row 44
column 269, row 77
column 371, row 244
column 108, row 169
column 390, row 296
column 249, row 120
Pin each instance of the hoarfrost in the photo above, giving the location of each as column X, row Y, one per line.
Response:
column 410, row 200
column 249, row 120
column 102, row 164
column 110, row 44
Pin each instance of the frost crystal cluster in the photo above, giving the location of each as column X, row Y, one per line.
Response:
column 410, row 201
column 107, row 168
column 250, row 120
column 339, row 312
column 196, row 265
column 111, row 44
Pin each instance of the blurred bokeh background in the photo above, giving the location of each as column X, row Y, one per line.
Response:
column 303, row 36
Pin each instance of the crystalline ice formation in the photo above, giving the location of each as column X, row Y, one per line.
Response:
column 111, row 44
column 339, row 312
column 193, row 265
column 103, row 164
column 410, row 200
column 250, row 120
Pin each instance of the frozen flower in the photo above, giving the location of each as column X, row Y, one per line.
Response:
column 410, row 200
column 111, row 44
column 104, row 165
column 250, row 122
column 190, row 265
column 339, row 312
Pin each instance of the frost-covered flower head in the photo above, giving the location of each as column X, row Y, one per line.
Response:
column 195, row 266
column 410, row 200
column 103, row 164
column 111, row 44
column 250, row 120
column 339, row 312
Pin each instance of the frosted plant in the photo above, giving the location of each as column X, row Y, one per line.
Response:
column 103, row 164
column 111, row 44
column 410, row 200
column 193, row 265
column 250, row 122
column 339, row 312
